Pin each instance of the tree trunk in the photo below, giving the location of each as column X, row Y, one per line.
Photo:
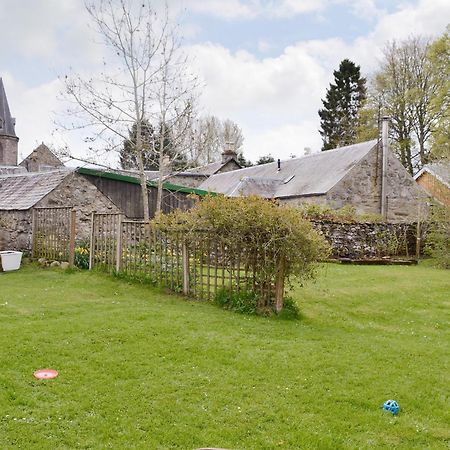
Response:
column 161, row 164
column 143, row 178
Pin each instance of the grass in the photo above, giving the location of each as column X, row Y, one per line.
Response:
column 142, row 369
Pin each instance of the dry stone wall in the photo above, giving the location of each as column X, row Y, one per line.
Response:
column 369, row 240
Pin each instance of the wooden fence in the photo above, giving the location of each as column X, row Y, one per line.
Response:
column 54, row 233
column 199, row 267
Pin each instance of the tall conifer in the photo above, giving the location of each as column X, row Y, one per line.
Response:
column 339, row 118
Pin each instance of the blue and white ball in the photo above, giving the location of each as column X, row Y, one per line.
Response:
column 391, row 406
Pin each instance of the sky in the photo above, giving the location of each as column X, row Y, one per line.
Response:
column 265, row 64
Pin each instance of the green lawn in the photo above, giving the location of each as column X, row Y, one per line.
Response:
column 142, row 369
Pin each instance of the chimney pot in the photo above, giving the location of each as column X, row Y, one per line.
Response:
column 229, row 152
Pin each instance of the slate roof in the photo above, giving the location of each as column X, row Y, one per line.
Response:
column 9, row 170
column 6, row 121
column 207, row 170
column 439, row 170
column 315, row 174
column 23, row 191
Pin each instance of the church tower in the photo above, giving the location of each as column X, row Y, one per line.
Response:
column 8, row 138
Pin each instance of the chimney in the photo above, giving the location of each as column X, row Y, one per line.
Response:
column 229, row 152
column 384, row 166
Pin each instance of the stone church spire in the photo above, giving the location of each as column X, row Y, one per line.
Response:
column 8, row 138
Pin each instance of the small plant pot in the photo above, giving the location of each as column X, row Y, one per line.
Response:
column 10, row 260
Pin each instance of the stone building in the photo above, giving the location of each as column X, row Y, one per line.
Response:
column 20, row 193
column 85, row 191
column 351, row 175
column 41, row 159
column 435, row 179
column 41, row 180
column 8, row 139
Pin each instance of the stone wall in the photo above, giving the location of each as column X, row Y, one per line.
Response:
column 15, row 230
column 361, row 188
column 369, row 240
column 8, row 150
column 77, row 192
column 406, row 200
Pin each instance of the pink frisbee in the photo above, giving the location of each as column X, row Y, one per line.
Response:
column 45, row 374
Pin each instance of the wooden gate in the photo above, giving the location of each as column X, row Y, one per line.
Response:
column 54, row 233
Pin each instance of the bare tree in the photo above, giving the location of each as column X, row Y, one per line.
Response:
column 144, row 80
column 210, row 136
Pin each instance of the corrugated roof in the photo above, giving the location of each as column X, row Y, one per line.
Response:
column 308, row 175
column 135, row 180
column 440, row 170
column 23, row 191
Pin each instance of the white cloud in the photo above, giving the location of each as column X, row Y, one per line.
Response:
column 427, row 17
column 363, row 9
column 251, row 9
column 283, row 141
column 230, row 9
column 275, row 100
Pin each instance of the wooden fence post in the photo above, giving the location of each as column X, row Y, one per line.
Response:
column 185, row 256
column 92, row 242
column 34, row 233
column 418, row 235
column 72, row 232
column 119, row 243
column 279, row 286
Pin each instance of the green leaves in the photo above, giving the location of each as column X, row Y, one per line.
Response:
column 259, row 233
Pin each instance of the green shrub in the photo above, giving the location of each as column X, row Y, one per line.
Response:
column 438, row 237
column 82, row 255
column 269, row 240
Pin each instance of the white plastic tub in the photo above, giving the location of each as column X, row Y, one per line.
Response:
column 10, row 260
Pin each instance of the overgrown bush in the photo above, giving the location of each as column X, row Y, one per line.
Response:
column 270, row 240
column 438, row 237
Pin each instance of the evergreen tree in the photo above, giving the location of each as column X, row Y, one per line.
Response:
column 128, row 154
column 243, row 162
column 178, row 160
column 340, row 116
column 265, row 159
column 151, row 144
